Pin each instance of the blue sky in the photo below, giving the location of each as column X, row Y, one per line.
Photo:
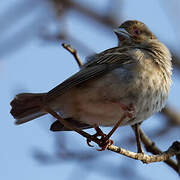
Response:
column 38, row 67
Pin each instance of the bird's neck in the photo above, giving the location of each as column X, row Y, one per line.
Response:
column 159, row 53
column 161, row 56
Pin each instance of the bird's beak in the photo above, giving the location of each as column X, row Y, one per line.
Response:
column 122, row 34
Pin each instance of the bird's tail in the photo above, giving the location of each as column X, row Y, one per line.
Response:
column 26, row 107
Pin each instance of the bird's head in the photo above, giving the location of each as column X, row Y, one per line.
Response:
column 133, row 31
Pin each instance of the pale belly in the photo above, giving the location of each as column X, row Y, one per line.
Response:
column 97, row 101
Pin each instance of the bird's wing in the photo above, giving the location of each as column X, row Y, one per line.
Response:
column 116, row 54
column 103, row 63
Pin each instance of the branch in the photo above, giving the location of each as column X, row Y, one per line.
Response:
column 174, row 116
column 173, row 150
column 73, row 52
column 176, row 61
column 151, row 147
column 69, row 4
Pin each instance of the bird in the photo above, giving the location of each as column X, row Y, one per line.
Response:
column 135, row 73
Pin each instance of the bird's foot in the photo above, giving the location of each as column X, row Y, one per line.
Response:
column 103, row 141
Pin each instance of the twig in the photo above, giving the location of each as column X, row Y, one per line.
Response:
column 173, row 115
column 69, row 4
column 174, row 149
column 73, row 52
column 151, row 147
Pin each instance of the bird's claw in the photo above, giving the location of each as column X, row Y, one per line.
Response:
column 104, row 145
column 88, row 142
column 103, row 141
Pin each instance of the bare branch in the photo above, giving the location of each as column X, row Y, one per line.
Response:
column 176, row 61
column 151, row 147
column 73, row 52
column 68, row 4
column 172, row 115
column 173, row 150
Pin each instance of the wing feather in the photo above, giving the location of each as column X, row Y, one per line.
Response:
column 101, row 64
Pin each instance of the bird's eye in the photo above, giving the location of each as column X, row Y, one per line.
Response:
column 137, row 31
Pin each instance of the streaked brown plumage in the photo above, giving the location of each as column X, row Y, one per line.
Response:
column 138, row 71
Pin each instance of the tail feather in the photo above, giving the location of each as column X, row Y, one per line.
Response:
column 26, row 107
